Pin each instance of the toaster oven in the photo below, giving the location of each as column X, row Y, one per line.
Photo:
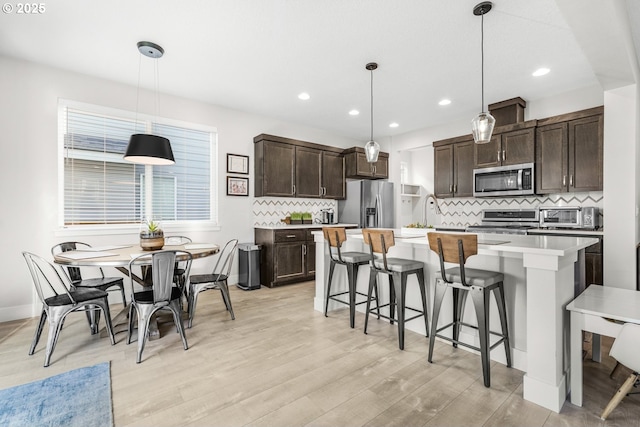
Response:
column 576, row 217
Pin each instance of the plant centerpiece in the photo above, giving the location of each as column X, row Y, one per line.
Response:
column 307, row 218
column 152, row 238
column 296, row 217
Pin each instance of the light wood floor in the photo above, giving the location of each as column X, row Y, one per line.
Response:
column 280, row 363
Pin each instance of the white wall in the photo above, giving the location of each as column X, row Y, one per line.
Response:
column 28, row 119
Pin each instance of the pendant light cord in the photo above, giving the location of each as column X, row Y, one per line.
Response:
column 482, row 58
column 371, row 105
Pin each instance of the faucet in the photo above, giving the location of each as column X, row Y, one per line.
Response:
column 424, row 207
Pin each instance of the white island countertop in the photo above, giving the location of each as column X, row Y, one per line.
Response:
column 283, row 226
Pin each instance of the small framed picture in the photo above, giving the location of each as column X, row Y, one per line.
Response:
column 237, row 186
column 237, row 163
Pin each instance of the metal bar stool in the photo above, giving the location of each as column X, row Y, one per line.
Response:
column 335, row 237
column 397, row 269
column 457, row 248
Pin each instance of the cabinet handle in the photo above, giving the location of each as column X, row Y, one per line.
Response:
column 304, row 250
column 504, row 155
column 564, row 180
column 571, row 180
column 455, row 188
column 324, row 191
column 294, row 189
column 291, row 236
column 450, row 188
column 498, row 156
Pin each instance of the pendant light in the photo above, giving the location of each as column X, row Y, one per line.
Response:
column 143, row 148
column 372, row 148
column 482, row 125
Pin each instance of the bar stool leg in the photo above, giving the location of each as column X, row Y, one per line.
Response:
column 400, row 287
column 458, row 296
column 372, row 284
column 481, row 305
column 332, row 267
column 502, row 311
column 392, row 300
column 352, row 272
column 423, row 293
column 438, row 297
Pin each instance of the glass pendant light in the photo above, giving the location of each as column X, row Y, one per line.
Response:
column 144, row 148
column 482, row 125
column 372, row 148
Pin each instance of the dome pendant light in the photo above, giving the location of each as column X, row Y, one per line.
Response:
column 482, row 125
column 372, row 148
column 148, row 149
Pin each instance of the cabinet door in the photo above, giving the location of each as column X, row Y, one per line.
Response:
column 333, row 181
column 488, row 155
column 585, row 154
column 551, row 158
column 363, row 167
column 381, row 168
column 518, row 147
column 443, row 171
column 308, row 172
column 463, row 169
column 289, row 261
column 279, row 168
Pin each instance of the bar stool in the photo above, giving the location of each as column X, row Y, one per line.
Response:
column 397, row 269
column 457, row 248
column 335, row 236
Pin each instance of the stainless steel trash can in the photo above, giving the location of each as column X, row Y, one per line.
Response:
column 248, row 266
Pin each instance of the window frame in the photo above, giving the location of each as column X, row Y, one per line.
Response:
column 212, row 224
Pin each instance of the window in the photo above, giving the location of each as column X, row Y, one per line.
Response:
column 100, row 188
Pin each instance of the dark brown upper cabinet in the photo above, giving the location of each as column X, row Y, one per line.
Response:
column 287, row 167
column 358, row 167
column 453, row 167
column 509, row 145
column 569, row 152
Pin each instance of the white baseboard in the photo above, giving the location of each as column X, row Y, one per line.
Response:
column 15, row 313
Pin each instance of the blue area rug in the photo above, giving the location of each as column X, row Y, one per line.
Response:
column 81, row 397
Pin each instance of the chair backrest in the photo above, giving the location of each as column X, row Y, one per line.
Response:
column 335, row 236
column 163, row 265
column 379, row 241
column 176, row 240
column 626, row 347
column 222, row 269
column 46, row 278
column 72, row 272
column 454, row 248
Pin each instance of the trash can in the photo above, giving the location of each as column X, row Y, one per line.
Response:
column 249, row 266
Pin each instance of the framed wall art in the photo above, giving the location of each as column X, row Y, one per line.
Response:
column 237, row 186
column 237, row 163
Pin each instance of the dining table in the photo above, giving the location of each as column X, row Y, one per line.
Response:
column 119, row 257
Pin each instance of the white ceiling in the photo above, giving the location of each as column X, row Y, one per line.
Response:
column 258, row 55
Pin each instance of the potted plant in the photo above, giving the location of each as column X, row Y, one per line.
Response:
column 306, row 218
column 152, row 238
column 296, row 217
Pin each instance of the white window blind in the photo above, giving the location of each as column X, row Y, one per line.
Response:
column 101, row 188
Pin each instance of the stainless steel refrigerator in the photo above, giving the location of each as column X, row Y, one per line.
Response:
column 369, row 204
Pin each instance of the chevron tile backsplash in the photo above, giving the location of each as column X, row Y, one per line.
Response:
column 462, row 212
column 269, row 211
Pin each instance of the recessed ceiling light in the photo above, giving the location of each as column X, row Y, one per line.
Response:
column 354, row 112
column 444, row 102
column 540, row 72
column 394, row 125
column 304, row 96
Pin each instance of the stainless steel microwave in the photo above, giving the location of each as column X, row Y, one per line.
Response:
column 512, row 180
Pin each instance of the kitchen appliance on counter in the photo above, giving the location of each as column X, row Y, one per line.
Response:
column 327, row 216
column 507, row 221
column 512, row 180
column 369, row 204
column 573, row 217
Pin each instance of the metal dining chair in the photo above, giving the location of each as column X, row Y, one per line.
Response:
column 163, row 295
column 216, row 280
column 59, row 299
column 179, row 277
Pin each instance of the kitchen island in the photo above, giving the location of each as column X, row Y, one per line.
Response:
column 540, row 281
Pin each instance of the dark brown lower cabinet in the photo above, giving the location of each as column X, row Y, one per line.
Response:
column 287, row 256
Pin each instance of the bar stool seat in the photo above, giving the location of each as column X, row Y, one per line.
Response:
column 457, row 248
column 352, row 260
column 398, row 269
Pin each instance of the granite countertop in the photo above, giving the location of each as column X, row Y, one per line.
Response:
column 283, row 226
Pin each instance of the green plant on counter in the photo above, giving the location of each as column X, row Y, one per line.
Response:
column 297, row 216
column 418, row 225
column 306, row 215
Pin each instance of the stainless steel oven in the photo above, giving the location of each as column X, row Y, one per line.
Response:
column 512, row 180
